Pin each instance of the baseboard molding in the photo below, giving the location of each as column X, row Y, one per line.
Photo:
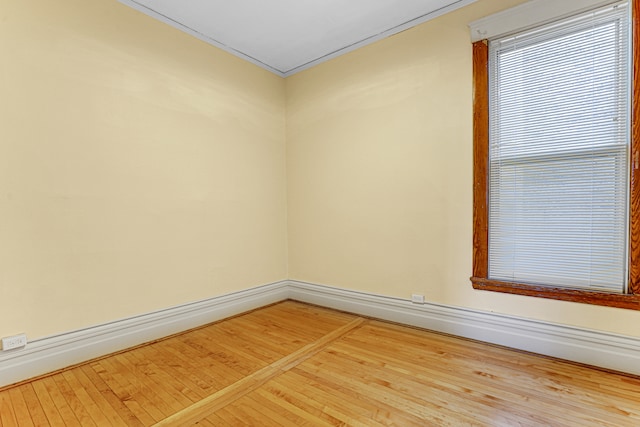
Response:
column 57, row 352
column 606, row 350
column 596, row 348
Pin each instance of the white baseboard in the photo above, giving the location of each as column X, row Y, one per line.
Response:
column 596, row 348
column 606, row 350
column 52, row 353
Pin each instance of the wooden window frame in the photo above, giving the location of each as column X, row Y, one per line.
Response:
column 480, row 280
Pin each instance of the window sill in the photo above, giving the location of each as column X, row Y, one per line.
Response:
column 627, row 301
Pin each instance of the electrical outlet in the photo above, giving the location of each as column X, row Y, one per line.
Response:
column 16, row 341
column 417, row 299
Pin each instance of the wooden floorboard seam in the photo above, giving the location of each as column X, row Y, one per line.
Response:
column 207, row 406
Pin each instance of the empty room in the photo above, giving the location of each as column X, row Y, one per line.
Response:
column 356, row 213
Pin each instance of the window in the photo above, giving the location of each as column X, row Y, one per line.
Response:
column 555, row 194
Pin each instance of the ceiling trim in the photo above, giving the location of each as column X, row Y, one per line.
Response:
column 286, row 73
column 203, row 37
column 372, row 39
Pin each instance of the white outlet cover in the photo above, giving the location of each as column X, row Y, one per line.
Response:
column 13, row 342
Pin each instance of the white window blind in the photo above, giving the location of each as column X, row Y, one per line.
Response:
column 558, row 156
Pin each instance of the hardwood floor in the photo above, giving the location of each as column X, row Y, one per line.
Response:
column 293, row 364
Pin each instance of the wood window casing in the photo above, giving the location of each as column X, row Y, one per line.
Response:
column 480, row 280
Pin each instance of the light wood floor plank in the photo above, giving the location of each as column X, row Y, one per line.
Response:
column 65, row 411
column 149, row 377
column 293, row 364
column 47, row 403
column 272, row 413
column 229, row 394
column 243, row 348
column 406, row 375
column 379, row 411
column 400, row 402
column 482, row 375
column 307, row 400
column 453, row 407
column 38, row 416
column 114, row 401
column 119, row 395
column 228, row 419
column 202, row 370
column 228, row 358
column 248, row 413
column 180, row 365
column 213, row 420
column 76, row 408
column 85, row 401
column 7, row 412
column 354, row 410
column 134, row 390
column 20, row 408
column 475, row 385
column 298, row 405
column 207, row 423
column 167, row 371
column 303, row 417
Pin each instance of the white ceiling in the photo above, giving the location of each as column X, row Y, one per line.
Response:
column 287, row 36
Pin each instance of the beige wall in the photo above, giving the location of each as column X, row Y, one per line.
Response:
column 140, row 168
column 379, row 146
